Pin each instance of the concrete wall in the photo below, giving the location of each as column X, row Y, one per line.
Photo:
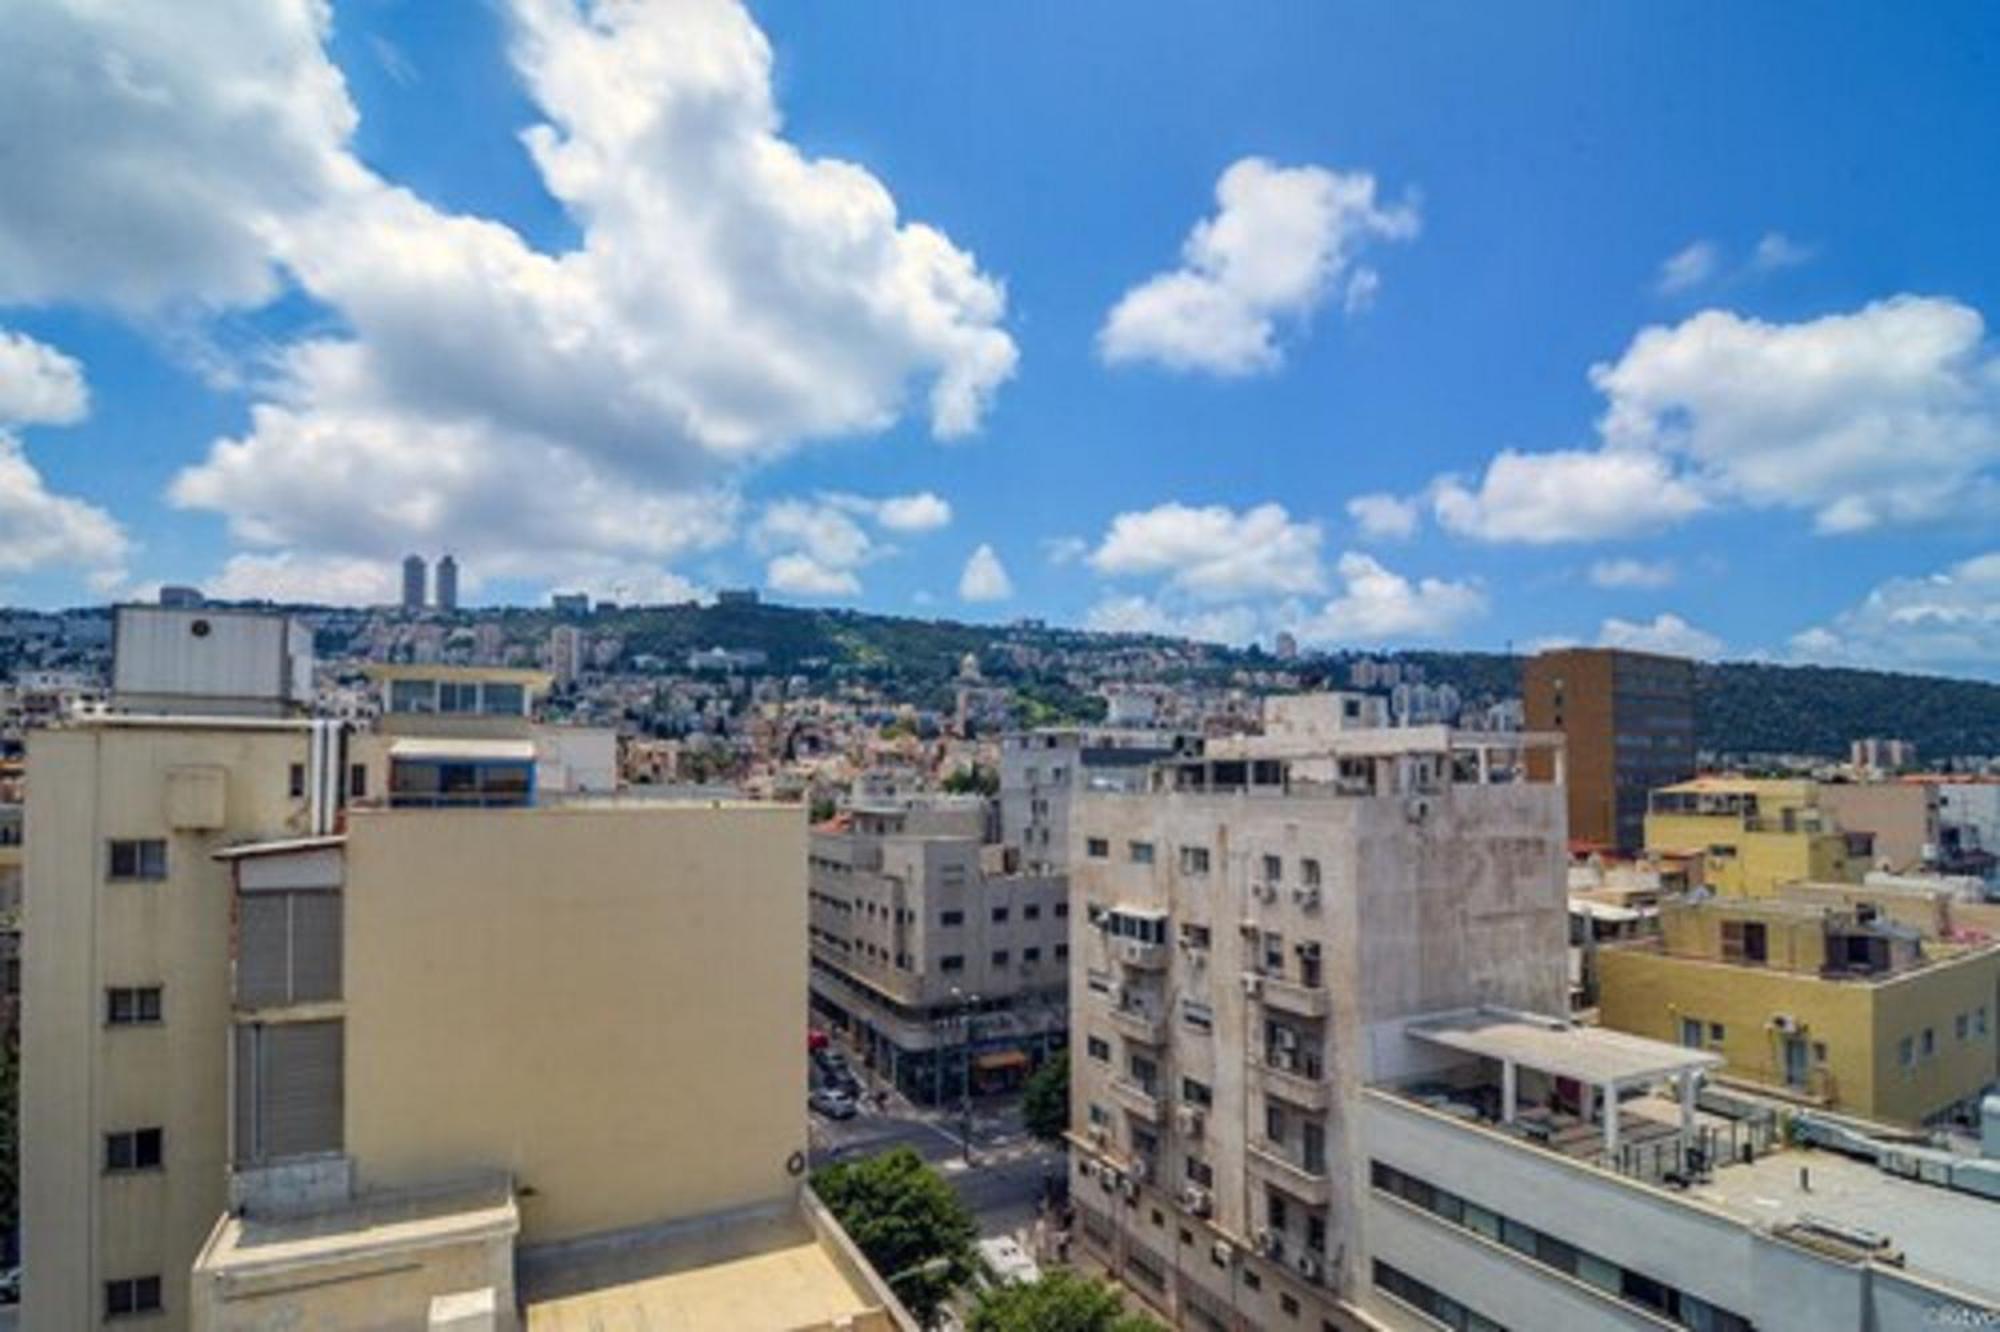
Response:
column 1902, row 815
column 565, row 994
column 82, row 1079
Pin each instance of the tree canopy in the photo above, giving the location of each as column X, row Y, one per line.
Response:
column 1062, row 1301
column 1045, row 1101
column 907, row 1221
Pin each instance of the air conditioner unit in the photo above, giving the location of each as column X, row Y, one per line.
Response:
column 1306, row 897
column 1141, row 1169
column 1250, row 929
column 1087, row 1168
column 1269, row 1242
column 1099, row 1134
column 1253, row 985
column 1264, row 892
column 1222, row 1253
column 1285, row 1061
column 1786, row 1023
column 1199, row 1201
column 1188, row 1119
column 1131, row 1190
column 1309, row 1266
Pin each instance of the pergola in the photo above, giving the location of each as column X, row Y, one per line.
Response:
column 1603, row 1063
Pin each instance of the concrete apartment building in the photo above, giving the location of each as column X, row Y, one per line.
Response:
column 1823, row 995
column 1316, row 1086
column 1904, row 818
column 1747, row 836
column 393, row 1029
column 1627, row 720
column 938, row 961
column 1042, row 771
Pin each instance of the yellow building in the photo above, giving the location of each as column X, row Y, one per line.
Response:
column 339, row 1029
column 1813, row 1000
column 1745, row 836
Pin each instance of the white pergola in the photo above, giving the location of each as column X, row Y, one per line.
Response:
column 1604, row 1063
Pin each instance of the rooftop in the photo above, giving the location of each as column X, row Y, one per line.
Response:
column 531, row 679
column 1565, row 1049
column 1948, row 1235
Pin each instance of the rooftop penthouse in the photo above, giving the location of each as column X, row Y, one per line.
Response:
column 1388, row 761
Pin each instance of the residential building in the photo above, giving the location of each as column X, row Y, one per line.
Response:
column 1969, row 818
column 1745, row 836
column 1627, row 719
column 1860, row 1000
column 1878, row 757
column 1043, row 771
column 414, row 582
column 447, row 584
column 573, row 605
column 566, row 653
column 1240, row 927
column 1303, row 1096
column 1904, row 818
column 942, row 964
column 285, row 1066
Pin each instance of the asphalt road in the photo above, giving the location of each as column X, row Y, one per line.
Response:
column 1001, row 1187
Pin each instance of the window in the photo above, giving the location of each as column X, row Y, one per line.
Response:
column 457, row 696
column 1194, row 860
column 1309, row 872
column 1316, row 1232
column 1906, row 1052
column 1062, row 911
column 357, row 781
column 505, row 700
column 1195, row 936
column 950, row 919
column 131, row 1295
column 1097, row 848
column 1930, row 1041
column 132, row 1005
column 1099, row 1049
column 1200, row 1172
column 1274, row 869
column 1198, row 1015
column 953, row 962
column 413, row 696
column 1961, row 1025
column 999, row 915
column 140, row 859
column 1140, row 853
column 1031, row 912
column 999, row 957
column 1274, row 1122
column 1274, row 1209
column 138, row 1149
column 1979, row 1019
column 1715, row 1033
column 1031, row 954
column 1062, row 952
column 1196, row 1093
column 1743, row 941
column 296, row 785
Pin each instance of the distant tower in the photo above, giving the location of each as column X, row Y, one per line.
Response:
column 447, row 587
column 566, row 653
column 413, row 582
column 1288, row 646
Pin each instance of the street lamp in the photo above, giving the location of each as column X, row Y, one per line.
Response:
column 966, row 1004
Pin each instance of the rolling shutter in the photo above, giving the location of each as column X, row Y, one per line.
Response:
column 289, row 1090
column 288, row 948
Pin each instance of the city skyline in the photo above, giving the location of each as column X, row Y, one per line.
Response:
column 1426, row 335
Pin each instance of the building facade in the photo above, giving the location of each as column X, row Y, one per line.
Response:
column 414, row 582
column 447, row 584
column 1042, row 772
column 1747, row 836
column 1240, row 931
column 941, row 963
column 1627, row 720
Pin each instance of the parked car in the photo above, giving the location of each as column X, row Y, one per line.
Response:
column 833, row 1104
column 10, row 1286
column 816, row 1040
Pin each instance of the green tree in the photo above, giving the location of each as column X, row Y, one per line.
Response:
column 974, row 780
column 907, row 1221
column 1045, row 1101
column 1060, row 1302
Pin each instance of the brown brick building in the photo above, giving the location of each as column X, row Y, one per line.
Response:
column 1628, row 718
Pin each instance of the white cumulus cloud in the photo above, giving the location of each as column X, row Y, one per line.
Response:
column 1630, row 573
column 1948, row 620
column 38, row 384
column 801, row 575
column 1214, row 552
column 1375, row 604
column 1281, row 239
column 922, row 512
column 729, row 297
column 1384, row 517
column 985, row 577
column 1664, row 633
column 1689, row 267
column 1568, row 495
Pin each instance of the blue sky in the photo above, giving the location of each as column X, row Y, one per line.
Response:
column 1634, row 324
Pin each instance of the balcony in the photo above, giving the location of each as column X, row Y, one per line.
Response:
column 1137, row 1099
column 1140, row 1024
column 1307, row 1001
column 1303, row 1084
column 1140, row 955
column 1268, row 1161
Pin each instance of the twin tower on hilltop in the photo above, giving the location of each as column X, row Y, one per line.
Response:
column 414, row 583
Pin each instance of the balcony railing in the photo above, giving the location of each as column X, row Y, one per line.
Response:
column 1304, row 1083
column 1308, row 1185
column 1139, row 955
column 1140, row 1024
column 1140, row 1100
column 1310, row 1001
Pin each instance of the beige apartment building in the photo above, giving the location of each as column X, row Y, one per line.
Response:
column 939, row 962
column 407, row 1029
column 1244, row 929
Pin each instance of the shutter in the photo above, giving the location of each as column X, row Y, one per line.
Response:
column 299, row 1089
column 262, row 947
column 315, row 946
column 245, row 1137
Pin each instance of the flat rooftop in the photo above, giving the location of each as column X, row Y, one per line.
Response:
column 1945, row 1234
column 1565, row 1049
column 246, row 1246
column 766, row 1274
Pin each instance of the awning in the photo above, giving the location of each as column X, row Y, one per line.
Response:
column 1000, row 1060
column 459, row 750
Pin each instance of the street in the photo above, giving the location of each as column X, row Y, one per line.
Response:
column 1003, row 1185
